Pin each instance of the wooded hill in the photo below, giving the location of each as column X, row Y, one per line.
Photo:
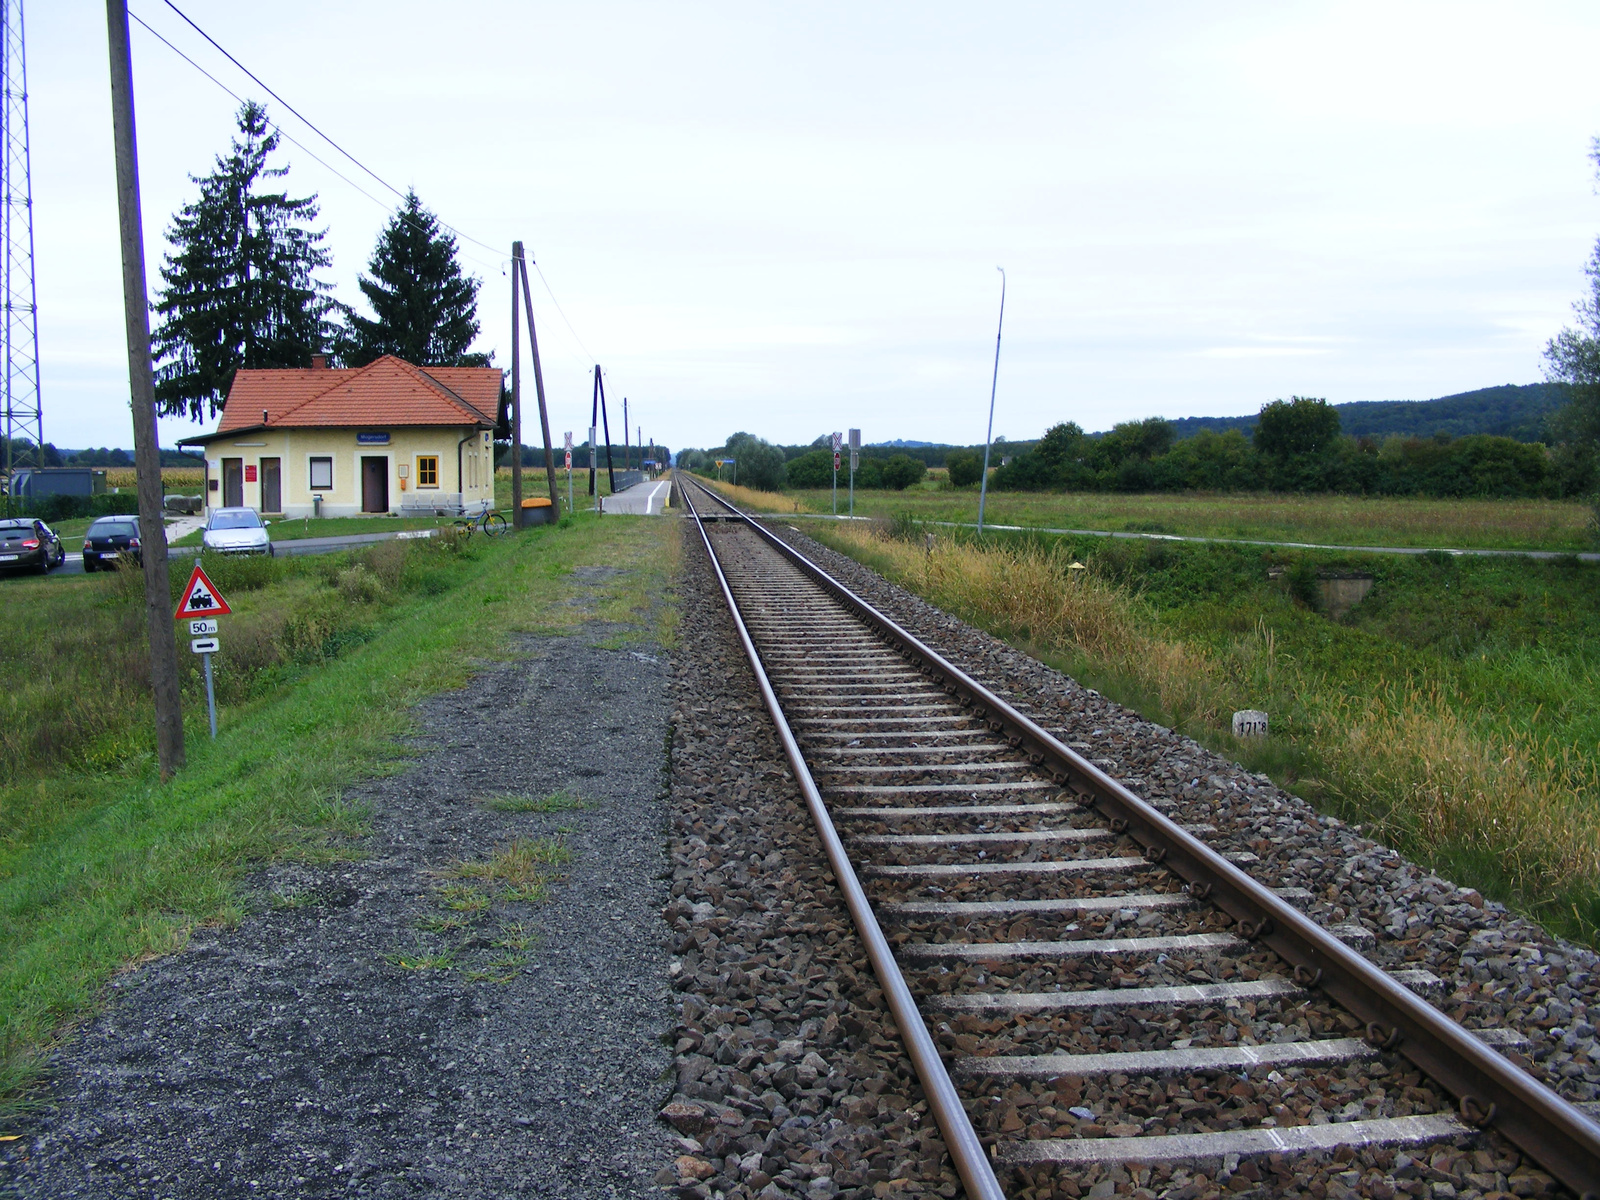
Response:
column 1511, row 410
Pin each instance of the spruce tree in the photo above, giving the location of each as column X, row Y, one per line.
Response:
column 239, row 289
column 426, row 309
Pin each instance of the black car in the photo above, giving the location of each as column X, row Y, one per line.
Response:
column 27, row 544
column 108, row 538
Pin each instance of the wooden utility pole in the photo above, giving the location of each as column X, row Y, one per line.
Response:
column 605, row 421
column 538, row 387
column 627, row 451
column 594, row 421
column 516, row 394
column 142, row 394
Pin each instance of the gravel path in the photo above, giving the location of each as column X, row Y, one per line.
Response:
column 294, row 1056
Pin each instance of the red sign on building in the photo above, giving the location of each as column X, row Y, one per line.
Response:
column 250, row 473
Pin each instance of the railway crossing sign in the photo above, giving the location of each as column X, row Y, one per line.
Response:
column 201, row 598
column 202, row 601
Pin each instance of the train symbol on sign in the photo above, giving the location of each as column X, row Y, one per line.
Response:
column 201, row 598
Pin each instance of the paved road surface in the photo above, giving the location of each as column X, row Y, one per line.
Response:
column 642, row 499
column 328, row 545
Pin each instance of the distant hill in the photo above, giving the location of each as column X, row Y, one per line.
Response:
column 905, row 444
column 1510, row 410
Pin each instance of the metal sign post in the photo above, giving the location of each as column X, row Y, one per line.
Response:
column 569, row 471
column 205, row 647
column 203, row 604
column 855, row 461
column 838, row 440
column 594, row 490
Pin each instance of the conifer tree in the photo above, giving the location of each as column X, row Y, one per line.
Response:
column 426, row 309
column 238, row 285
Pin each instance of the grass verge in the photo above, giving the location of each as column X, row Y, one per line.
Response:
column 1453, row 712
column 1559, row 525
column 102, row 865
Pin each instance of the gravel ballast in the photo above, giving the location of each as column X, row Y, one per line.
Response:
column 1497, row 971
column 297, row 1055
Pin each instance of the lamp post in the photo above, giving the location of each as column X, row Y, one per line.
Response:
column 983, row 486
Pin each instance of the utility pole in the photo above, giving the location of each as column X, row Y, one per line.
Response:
column 605, row 422
column 516, row 391
column 538, row 387
column 627, row 451
column 983, row 488
column 142, row 393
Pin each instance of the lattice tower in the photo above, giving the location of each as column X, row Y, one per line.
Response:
column 24, row 416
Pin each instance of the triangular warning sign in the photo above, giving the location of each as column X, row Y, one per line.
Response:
column 201, row 599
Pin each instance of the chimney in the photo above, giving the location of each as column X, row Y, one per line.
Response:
column 319, row 362
column 263, row 416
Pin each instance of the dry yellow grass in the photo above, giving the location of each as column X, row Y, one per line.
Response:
column 1403, row 756
column 755, row 501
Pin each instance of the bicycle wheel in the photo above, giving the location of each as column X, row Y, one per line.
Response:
column 494, row 524
column 464, row 528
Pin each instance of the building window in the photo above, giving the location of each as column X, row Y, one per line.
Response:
column 322, row 474
column 427, row 470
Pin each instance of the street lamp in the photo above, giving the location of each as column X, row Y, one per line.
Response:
column 983, row 486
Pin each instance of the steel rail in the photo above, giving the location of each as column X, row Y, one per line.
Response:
column 1491, row 1091
column 966, row 1150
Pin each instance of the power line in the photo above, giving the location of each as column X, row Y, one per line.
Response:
column 293, row 141
column 332, row 170
column 307, row 120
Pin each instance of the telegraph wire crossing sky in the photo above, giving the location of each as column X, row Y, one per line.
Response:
column 787, row 221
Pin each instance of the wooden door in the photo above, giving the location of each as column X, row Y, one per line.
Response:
column 271, row 485
column 233, row 483
column 374, row 484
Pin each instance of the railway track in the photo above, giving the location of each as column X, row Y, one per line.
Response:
column 1078, row 979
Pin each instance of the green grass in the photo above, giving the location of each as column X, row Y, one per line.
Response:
column 102, row 865
column 1455, row 712
column 1328, row 520
column 559, row 801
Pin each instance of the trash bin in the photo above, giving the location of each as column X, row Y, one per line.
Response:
column 537, row 510
column 316, row 504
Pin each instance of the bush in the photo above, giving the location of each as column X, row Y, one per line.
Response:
column 813, row 469
column 67, row 508
column 965, row 467
column 901, row 471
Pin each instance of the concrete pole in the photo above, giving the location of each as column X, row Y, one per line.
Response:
column 983, row 487
column 142, row 395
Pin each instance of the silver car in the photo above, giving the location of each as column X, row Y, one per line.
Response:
column 237, row 531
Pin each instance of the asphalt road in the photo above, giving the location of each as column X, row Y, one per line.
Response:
column 74, row 563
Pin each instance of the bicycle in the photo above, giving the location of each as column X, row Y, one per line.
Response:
column 491, row 522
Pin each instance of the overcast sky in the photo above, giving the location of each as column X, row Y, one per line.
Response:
column 787, row 218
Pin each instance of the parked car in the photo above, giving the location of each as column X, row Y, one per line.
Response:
column 27, row 544
column 237, row 531
column 108, row 538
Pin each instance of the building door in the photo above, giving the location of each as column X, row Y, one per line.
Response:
column 272, row 485
column 233, row 483
column 374, row 484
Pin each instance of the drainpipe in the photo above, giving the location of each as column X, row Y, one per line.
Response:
column 461, row 479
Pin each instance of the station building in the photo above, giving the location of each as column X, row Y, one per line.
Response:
column 389, row 437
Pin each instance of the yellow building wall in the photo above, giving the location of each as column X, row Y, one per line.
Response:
column 295, row 448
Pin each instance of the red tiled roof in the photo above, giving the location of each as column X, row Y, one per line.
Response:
column 389, row 391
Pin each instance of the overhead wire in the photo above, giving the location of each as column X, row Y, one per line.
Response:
column 461, row 234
